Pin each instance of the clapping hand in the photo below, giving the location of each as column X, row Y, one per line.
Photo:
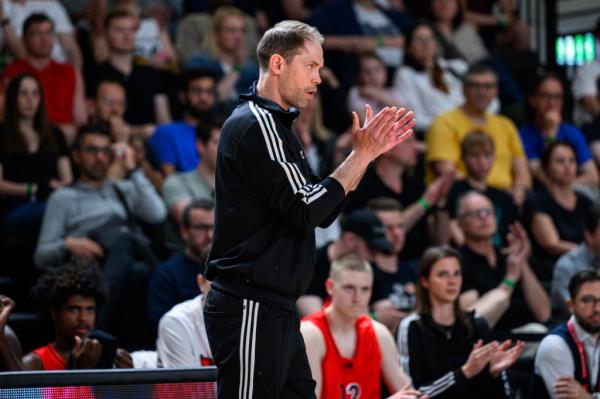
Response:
column 505, row 357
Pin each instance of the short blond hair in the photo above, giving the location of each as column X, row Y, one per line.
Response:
column 350, row 263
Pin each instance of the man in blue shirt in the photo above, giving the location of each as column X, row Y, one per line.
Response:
column 174, row 280
column 175, row 143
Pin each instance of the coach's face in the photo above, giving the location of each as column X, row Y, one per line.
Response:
column 300, row 77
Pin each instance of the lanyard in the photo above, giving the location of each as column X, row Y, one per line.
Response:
column 582, row 359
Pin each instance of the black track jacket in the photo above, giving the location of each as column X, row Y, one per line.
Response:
column 268, row 203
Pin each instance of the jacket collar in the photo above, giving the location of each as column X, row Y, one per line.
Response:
column 286, row 117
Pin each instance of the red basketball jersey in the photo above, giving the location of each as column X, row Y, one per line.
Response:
column 50, row 358
column 359, row 377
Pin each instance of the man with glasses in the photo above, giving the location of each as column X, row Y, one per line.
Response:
column 95, row 218
column 509, row 171
column 567, row 364
column 489, row 273
column 174, row 280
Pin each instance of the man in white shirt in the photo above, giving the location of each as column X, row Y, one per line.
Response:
column 567, row 362
column 182, row 341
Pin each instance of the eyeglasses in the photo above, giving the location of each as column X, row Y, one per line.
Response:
column 481, row 85
column 110, row 101
column 478, row 213
column 202, row 227
column 93, row 150
column 589, row 300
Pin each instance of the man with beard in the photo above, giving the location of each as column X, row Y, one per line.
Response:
column 566, row 363
column 96, row 218
column 175, row 143
column 70, row 296
column 174, row 280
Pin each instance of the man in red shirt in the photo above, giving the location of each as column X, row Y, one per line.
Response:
column 70, row 294
column 348, row 352
column 62, row 83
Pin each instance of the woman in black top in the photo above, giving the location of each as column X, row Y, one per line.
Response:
column 557, row 214
column 443, row 348
column 33, row 157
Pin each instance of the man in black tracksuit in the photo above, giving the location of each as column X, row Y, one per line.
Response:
column 268, row 203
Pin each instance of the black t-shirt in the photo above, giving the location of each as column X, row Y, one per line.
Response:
column 394, row 285
column 570, row 224
column 141, row 85
column 39, row 167
column 480, row 276
column 504, row 207
column 372, row 186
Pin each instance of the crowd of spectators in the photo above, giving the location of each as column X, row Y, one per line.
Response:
column 485, row 223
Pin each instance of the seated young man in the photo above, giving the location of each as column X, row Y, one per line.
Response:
column 566, row 362
column 339, row 366
column 478, row 154
column 182, row 340
column 70, row 295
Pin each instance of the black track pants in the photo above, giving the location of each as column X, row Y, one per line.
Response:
column 258, row 349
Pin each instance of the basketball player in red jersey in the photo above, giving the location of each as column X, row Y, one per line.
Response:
column 348, row 352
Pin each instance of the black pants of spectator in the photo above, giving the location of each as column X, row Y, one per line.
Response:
column 258, row 349
column 128, row 267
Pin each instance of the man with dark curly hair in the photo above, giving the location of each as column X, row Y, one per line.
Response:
column 70, row 295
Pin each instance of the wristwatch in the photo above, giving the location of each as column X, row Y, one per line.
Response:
column 4, row 22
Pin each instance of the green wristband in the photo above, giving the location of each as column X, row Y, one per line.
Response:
column 379, row 41
column 29, row 189
column 509, row 283
column 373, row 315
column 424, row 204
column 237, row 68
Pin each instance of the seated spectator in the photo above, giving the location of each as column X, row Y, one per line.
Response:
column 347, row 350
column 544, row 108
column 147, row 103
column 509, row 170
column 226, row 58
column 498, row 23
column 109, row 108
column 10, row 347
column 94, row 219
column 351, row 27
column 585, row 91
column 485, row 268
column 175, row 143
column 180, row 189
column 371, row 87
column 182, row 340
column 585, row 257
column 591, row 130
column 557, row 214
column 430, row 84
column 446, row 352
column 193, row 29
column 397, row 277
column 458, row 38
column 61, row 83
column 393, row 176
column 63, row 50
column 70, row 295
column 477, row 153
column 362, row 234
column 566, row 360
column 173, row 280
column 34, row 158
column 153, row 44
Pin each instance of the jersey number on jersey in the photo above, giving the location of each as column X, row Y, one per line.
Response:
column 350, row 391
